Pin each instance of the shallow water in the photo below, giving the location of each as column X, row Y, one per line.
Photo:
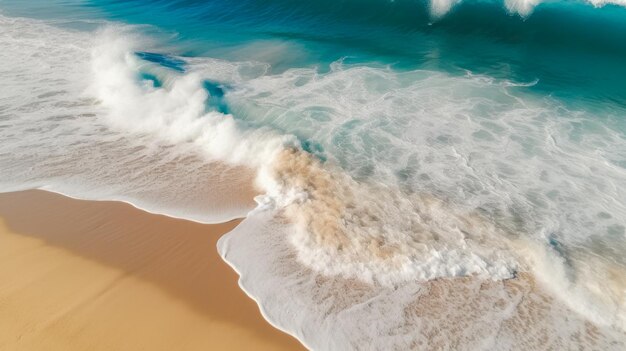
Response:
column 395, row 144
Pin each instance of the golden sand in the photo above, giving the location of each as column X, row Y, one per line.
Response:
column 91, row 275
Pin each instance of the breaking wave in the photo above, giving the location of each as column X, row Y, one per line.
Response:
column 524, row 8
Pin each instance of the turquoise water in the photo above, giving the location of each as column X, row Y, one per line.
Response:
column 399, row 144
column 573, row 50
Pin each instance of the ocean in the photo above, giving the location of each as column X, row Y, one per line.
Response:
column 431, row 175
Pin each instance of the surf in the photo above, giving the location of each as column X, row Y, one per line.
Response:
column 410, row 189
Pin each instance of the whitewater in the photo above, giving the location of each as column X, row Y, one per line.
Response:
column 439, row 8
column 398, row 208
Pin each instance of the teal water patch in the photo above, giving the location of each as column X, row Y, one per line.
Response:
column 154, row 80
column 166, row 61
column 314, row 148
column 216, row 100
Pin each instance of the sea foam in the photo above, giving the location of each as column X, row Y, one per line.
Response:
column 48, row 103
column 331, row 313
column 365, row 230
column 341, row 227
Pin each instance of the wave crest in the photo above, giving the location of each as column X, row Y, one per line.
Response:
column 524, row 8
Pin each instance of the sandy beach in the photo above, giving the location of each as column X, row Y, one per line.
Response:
column 100, row 275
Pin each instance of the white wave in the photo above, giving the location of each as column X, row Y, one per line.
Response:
column 328, row 313
column 593, row 288
column 176, row 113
column 54, row 135
column 438, row 8
column 523, row 8
column 600, row 3
column 525, row 162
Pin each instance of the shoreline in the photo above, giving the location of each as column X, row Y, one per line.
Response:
column 89, row 274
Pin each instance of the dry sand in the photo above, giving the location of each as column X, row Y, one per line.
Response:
column 100, row 275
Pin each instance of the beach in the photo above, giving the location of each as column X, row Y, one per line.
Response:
column 102, row 275
column 388, row 175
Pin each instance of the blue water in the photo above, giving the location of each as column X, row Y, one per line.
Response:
column 574, row 51
column 519, row 120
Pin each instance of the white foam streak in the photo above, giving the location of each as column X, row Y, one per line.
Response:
column 439, row 8
column 176, row 113
column 594, row 289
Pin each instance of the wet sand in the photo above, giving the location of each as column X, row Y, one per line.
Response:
column 100, row 275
